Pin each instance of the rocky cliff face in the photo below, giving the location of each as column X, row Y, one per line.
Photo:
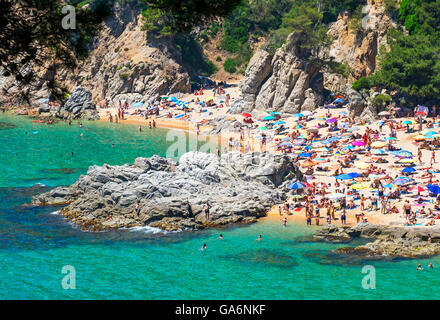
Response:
column 239, row 188
column 124, row 63
column 290, row 83
column 284, row 81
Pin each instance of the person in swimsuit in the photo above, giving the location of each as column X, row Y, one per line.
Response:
column 221, row 237
column 259, row 238
column 204, row 247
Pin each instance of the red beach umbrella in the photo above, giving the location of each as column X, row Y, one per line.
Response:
column 246, row 115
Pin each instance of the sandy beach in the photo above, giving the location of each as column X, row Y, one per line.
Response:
column 252, row 142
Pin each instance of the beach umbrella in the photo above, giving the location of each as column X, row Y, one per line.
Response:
column 322, row 149
column 339, row 153
column 286, row 139
column 334, row 139
column 268, row 118
column 287, row 144
column 298, row 115
column 417, row 188
column 419, row 137
column 401, row 180
column 246, row 115
column 383, row 113
column 402, row 153
column 378, row 144
column 308, row 163
column 275, row 113
column 389, row 186
column 408, row 170
column 433, row 188
column 137, row 104
column 280, row 122
column 390, row 138
column 343, row 112
column 338, row 100
column 359, row 186
column 345, row 177
column 305, row 154
column 407, row 160
column 358, row 143
column 347, row 148
column 361, row 165
column 262, row 128
column 421, row 113
column 296, row 185
column 377, row 151
column 407, row 122
column 331, row 120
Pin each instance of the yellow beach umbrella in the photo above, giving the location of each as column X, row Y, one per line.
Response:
column 361, row 165
column 378, row 144
column 407, row 160
column 280, row 136
column 359, row 186
column 419, row 137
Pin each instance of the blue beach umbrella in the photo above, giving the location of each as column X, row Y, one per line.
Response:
column 433, row 188
column 137, row 104
column 406, row 122
column 305, row 155
column 307, row 148
column 401, row 180
column 296, row 185
column 409, row 170
column 377, row 151
column 338, row 100
column 274, row 113
column 268, row 118
column 298, row 115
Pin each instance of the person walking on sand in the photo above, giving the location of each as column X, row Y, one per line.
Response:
column 419, row 155
column 432, row 157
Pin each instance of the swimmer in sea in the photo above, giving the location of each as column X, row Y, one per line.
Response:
column 259, row 238
column 204, row 247
column 419, row 267
column 221, row 237
column 284, row 221
column 140, row 129
column 430, row 265
column 113, row 145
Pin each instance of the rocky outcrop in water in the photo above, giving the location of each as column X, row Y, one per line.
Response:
column 239, row 188
column 393, row 241
column 79, row 105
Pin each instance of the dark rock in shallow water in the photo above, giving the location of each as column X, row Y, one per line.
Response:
column 239, row 188
column 391, row 241
column 78, row 106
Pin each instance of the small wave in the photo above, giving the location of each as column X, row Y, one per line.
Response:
column 55, row 212
column 146, row 229
column 39, row 184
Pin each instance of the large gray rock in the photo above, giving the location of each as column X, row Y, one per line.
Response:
column 286, row 82
column 239, row 187
column 79, row 105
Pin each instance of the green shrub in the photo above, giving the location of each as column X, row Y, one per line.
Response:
column 230, row 65
column 124, row 76
column 362, row 83
column 218, row 59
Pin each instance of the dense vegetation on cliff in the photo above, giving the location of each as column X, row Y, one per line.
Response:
column 412, row 66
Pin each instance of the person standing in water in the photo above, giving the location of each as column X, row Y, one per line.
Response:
column 284, row 222
column 220, row 237
column 203, row 247
column 259, row 238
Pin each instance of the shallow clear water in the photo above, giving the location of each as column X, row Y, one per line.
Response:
column 35, row 244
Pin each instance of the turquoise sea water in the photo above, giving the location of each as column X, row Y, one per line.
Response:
column 35, row 244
